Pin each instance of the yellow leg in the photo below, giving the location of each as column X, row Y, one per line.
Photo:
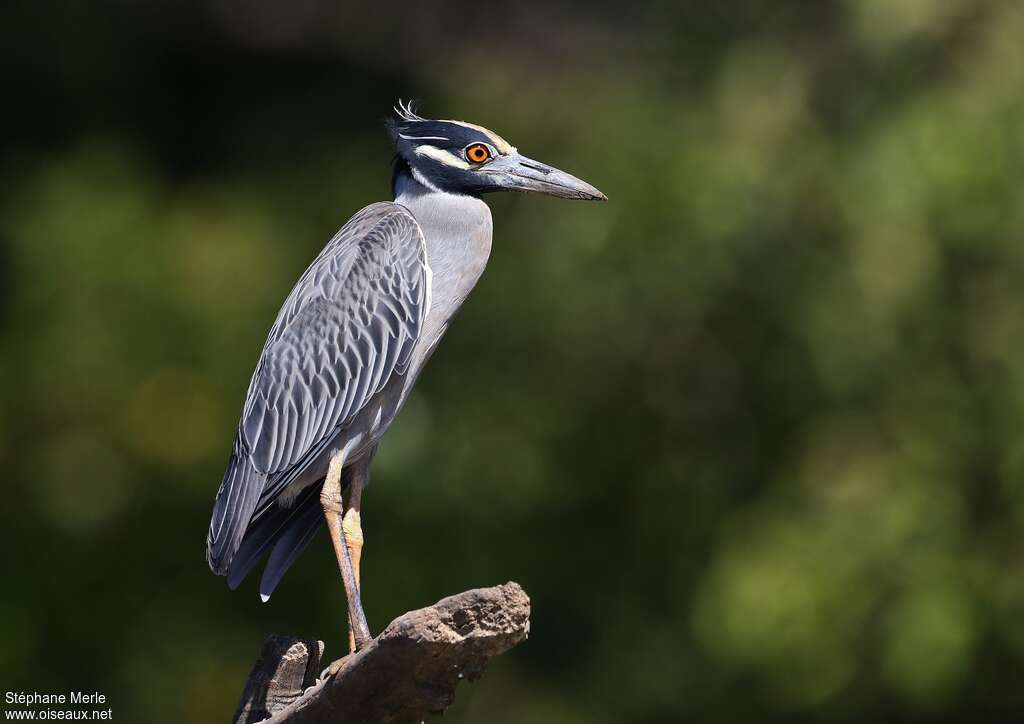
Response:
column 351, row 526
column 330, row 500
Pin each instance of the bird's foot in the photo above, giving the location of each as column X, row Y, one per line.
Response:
column 334, row 668
column 359, row 636
column 360, row 640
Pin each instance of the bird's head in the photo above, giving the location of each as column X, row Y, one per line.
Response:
column 458, row 157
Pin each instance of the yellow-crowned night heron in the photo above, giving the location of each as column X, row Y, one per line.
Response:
column 349, row 343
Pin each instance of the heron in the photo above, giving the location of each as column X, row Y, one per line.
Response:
column 350, row 342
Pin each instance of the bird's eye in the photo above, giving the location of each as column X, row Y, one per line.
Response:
column 478, row 153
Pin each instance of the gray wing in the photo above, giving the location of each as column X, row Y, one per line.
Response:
column 349, row 324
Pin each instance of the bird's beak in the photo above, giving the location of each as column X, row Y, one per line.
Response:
column 516, row 172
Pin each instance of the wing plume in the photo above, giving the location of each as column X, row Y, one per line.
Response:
column 232, row 509
column 347, row 327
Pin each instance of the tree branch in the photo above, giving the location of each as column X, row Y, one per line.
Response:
column 410, row 670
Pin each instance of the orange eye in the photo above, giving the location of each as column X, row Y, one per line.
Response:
column 478, row 153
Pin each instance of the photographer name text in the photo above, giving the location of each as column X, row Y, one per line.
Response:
column 35, row 698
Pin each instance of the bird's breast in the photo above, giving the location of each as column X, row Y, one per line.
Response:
column 457, row 235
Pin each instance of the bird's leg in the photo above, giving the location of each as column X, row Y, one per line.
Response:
column 330, row 499
column 351, row 526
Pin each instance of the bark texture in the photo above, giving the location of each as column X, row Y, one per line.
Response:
column 409, row 671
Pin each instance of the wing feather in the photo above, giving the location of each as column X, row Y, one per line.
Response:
column 340, row 339
column 348, row 326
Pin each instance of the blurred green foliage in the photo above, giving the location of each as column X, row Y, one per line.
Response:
column 749, row 434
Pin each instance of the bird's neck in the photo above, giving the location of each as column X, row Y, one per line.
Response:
column 453, row 222
column 457, row 232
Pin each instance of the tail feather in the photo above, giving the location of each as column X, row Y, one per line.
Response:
column 289, row 547
column 268, row 528
column 232, row 510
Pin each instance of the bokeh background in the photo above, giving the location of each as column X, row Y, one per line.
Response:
column 749, row 434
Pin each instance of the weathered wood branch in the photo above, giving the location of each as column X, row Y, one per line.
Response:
column 409, row 671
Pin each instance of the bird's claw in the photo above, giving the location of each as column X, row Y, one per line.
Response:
column 333, row 669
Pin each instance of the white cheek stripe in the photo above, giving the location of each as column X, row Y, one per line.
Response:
column 423, row 180
column 446, row 157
